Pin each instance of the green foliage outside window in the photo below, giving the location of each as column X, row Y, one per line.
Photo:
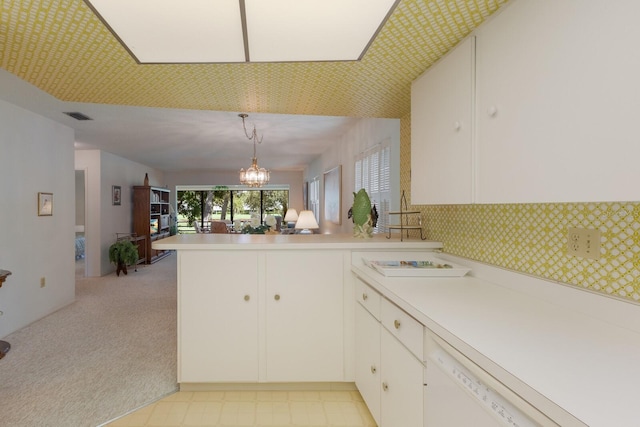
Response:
column 206, row 205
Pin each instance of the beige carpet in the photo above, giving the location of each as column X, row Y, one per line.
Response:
column 111, row 351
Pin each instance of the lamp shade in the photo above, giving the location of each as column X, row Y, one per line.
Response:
column 291, row 215
column 306, row 221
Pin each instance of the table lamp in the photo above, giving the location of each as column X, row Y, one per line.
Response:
column 306, row 222
column 291, row 217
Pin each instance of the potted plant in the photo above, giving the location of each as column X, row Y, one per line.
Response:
column 123, row 253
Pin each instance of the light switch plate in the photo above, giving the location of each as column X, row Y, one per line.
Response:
column 583, row 242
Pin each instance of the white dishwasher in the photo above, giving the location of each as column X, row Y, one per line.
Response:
column 459, row 393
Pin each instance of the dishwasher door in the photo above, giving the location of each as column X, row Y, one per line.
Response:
column 460, row 393
column 448, row 405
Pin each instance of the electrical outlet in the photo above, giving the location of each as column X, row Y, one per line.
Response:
column 42, row 282
column 584, row 243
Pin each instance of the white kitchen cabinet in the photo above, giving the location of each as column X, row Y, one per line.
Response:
column 304, row 316
column 218, row 317
column 402, row 402
column 555, row 107
column 368, row 360
column 557, row 102
column 287, row 327
column 389, row 376
column 442, row 130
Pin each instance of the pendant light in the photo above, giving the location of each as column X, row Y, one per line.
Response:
column 254, row 176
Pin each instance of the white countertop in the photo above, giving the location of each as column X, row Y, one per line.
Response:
column 291, row 241
column 565, row 362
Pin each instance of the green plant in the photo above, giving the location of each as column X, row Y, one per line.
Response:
column 123, row 253
column 260, row 229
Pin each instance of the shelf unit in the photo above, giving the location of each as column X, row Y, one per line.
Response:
column 151, row 218
column 404, row 225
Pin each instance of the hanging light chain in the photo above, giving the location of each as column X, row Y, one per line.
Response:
column 254, row 133
column 255, row 176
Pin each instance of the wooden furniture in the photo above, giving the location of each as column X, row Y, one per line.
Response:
column 4, row 346
column 219, row 227
column 151, row 218
column 140, row 242
column 3, row 276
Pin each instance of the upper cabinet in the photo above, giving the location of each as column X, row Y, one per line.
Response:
column 557, row 94
column 442, row 130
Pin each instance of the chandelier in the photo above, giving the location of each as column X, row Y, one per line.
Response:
column 254, row 176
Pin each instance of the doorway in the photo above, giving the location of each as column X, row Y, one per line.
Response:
column 80, row 238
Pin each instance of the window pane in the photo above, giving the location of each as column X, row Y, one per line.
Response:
column 373, row 173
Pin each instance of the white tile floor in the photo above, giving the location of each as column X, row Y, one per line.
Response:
column 253, row 408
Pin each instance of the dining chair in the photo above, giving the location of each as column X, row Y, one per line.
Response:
column 219, row 227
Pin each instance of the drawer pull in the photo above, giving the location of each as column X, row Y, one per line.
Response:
column 374, row 369
column 247, row 297
column 396, row 323
column 385, row 386
column 277, row 297
column 364, row 296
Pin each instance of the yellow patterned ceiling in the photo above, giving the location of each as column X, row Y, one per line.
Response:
column 61, row 47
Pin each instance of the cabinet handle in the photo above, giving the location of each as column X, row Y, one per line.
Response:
column 374, row 369
column 247, row 297
column 396, row 323
column 385, row 386
column 492, row 111
column 364, row 296
column 457, row 126
column 277, row 297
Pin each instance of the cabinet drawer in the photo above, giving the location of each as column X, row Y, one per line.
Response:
column 368, row 298
column 405, row 328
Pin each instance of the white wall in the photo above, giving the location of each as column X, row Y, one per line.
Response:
column 36, row 155
column 103, row 219
column 364, row 135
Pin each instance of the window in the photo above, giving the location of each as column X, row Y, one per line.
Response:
column 314, row 197
column 372, row 172
column 227, row 203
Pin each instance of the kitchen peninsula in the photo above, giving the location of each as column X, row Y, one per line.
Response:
column 269, row 312
column 267, row 309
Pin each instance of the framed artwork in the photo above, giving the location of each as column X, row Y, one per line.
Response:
column 333, row 195
column 45, row 204
column 305, row 195
column 116, row 195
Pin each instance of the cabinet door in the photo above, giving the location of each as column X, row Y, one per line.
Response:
column 402, row 384
column 304, row 316
column 442, row 130
column 218, row 316
column 368, row 360
column 557, row 96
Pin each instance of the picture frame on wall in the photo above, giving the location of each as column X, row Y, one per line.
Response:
column 45, row 204
column 333, row 195
column 116, row 195
column 305, row 195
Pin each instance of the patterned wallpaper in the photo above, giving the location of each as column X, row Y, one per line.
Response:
column 61, row 47
column 531, row 238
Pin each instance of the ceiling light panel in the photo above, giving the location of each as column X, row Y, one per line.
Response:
column 169, row 31
column 313, row 30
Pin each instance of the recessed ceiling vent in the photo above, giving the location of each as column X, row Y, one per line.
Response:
column 77, row 116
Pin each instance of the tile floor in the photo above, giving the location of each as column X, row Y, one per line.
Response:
column 253, row 408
